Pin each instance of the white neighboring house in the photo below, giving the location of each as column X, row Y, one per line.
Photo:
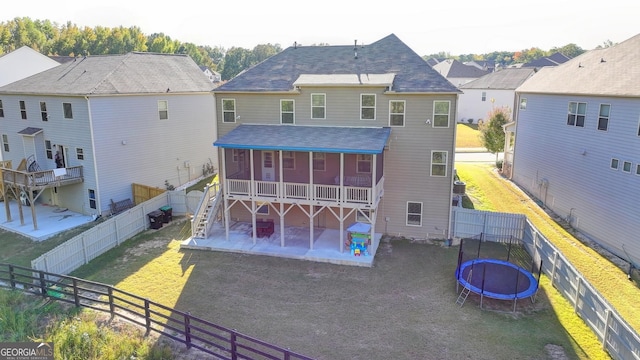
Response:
column 577, row 145
column 114, row 120
column 22, row 63
column 458, row 73
column 213, row 76
column 497, row 89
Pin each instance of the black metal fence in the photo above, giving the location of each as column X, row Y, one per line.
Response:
column 212, row 339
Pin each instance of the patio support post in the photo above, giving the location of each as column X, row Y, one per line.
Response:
column 33, row 209
column 225, row 191
column 252, row 195
column 281, row 224
column 374, row 169
column 341, row 202
column 313, row 189
column 6, row 201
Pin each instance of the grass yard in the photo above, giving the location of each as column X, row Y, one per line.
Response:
column 468, row 136
column 402, row 308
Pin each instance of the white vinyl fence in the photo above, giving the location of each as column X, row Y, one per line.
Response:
column 617, row 337
column 110, row 233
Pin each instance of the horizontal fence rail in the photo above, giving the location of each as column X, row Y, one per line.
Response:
column 617, row 337
column 194, row 332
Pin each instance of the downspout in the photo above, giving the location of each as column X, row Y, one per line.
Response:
column 448, row 235
column 95, row 162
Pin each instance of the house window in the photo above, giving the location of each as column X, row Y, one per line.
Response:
column 163, row 109
column 79, row 154
column 318, row 104
column 414, row 213
column 5, row 142
column 263, row 209
column 626, row 166
column 367, row 106
column 523, row 104
column 287, row 115
column 363, row 163
column 319, row 161
column 68, row 111
column 43, row 111
column 603, row 117
column 23, row 110
column 615, row 163
column 288, row 160
column 441, row 113
column 396, row 113
column 638, row 169
column 237, row 155
column 1, row 109
column 363, row 216
column 438, row 163
column 92, row 199
column 229, row 110
column 577, row 113
column 49, row 149
column 484, row 96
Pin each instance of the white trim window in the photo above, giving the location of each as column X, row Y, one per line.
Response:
column 79, row 153
column 367, row 106
column 523, row 104
column 484, row 96
column 237, row 155
column 626, row 166
column 441, row 114
column 288, row 160
column 414, row 213
column 67, row 110
column 615, row 164
column 318, row 106
column 576, row 113
column 638, row 169
column 396, row 112
column 5, row 142
column 43, row 111
column 319, row 161
column 23, row 110
column 163, row 109
column 363, row 163
column 363, row 216
column 263, row 209
column 48, row 149
column 229, row 110
column 92, row 198
column 287, row 112
column 603, row 117
column 439, row 163
column 1, row 109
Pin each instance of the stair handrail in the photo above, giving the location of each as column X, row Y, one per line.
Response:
column 212, row 212
column 210, row 191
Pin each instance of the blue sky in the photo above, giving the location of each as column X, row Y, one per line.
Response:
column 459, row 27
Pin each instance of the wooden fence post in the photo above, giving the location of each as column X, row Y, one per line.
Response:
column 76, row 298
column 112, row 307
column 187, row 329
column 147, row 316
column 43, row 284
column 12, row 277
column 234, row 347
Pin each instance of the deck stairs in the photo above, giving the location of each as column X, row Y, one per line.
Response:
column 207, row 212
column 465, row 291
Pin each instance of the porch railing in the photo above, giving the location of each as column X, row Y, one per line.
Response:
column 43, row 178
column 303, row 191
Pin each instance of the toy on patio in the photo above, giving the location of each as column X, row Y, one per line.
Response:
column 359, row 238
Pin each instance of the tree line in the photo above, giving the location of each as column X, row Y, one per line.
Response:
column 51, row 38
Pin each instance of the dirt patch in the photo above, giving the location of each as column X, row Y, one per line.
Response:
column 556, row 352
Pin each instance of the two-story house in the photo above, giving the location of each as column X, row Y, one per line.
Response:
column 458, row 73
column 577, row 146
column 326, row 136
column 84, row 131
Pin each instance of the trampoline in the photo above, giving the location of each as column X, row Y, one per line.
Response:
column 497, row 279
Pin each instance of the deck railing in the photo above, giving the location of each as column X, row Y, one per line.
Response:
column 304, row 191
column 43, row 178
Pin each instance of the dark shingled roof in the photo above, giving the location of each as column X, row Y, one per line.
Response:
column 30, row 131
column 455, row 69
column 132, row 73
column 331, row 139
column 388, row 55
column 506, row 79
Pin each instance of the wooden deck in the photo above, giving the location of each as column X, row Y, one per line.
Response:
column 40, row 180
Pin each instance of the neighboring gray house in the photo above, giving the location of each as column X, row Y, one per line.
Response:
column 577, row 145
column 551, row 60
column 458, row 73
column 494, row 90
column 324, row 136
column 213, row 76
column 86, row 130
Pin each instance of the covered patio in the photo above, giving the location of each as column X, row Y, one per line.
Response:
column 325, row 245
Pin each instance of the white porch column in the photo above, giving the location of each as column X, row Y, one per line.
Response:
column 252, row 194
column 282, row 224
column 225, row 192
column 374, row 176
column 311, row 186
column 341, row 200
column 281, row 195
